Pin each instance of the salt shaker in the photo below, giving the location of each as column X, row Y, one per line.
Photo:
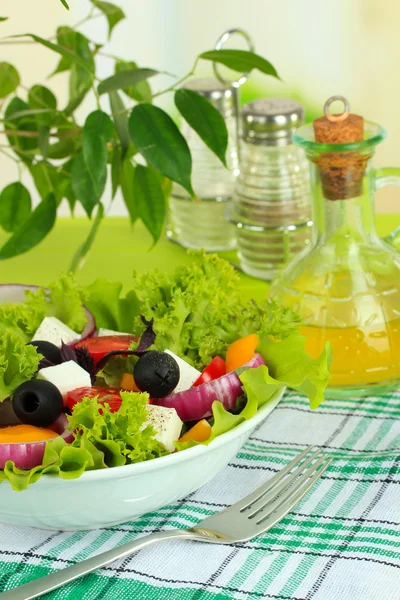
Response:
column 202, row 223
column 271, row 203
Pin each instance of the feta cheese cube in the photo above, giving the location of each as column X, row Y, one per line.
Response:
column 166, row 423
column 66, row 377
column 103, row 332
column 55, row 331
column 188, row 374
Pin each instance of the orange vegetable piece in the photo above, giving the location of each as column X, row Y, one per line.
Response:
column 21, row 434
column 198, row 433
column 241, row 351
column 128, row 383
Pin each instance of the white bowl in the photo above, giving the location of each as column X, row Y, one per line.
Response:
column 112, row 496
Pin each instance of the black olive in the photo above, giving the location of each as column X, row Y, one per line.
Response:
column 49, row 351
column 37, row 402
column 156, row 373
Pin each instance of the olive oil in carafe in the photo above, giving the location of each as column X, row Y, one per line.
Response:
column 361, row 355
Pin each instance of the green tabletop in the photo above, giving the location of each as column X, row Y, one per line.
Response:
column 117, row 251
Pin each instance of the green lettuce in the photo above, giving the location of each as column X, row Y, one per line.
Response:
column 18, row 362
column 102, row 439
column 198, row 309
column 111, row 311
column 62, row 299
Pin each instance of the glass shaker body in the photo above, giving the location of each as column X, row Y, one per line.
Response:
column 271, row 205
column 202, row 223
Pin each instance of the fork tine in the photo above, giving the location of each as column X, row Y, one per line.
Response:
column 281, row 487
column 274, row 501
column 272, row 482
column 269, row 520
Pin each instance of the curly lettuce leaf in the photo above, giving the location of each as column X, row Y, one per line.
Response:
column 199, row 309
column 15, row 319
column 103, row 299
column 61, row 299
column 18, row 363
column 289, row 363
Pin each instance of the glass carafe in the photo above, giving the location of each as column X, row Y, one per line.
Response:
column 346, row 284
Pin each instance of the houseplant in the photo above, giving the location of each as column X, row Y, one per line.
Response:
column 127, row 138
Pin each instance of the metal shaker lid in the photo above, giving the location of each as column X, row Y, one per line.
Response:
column 271, row 121
column 221, row 95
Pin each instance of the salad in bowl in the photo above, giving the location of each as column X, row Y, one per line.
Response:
column 94, row 379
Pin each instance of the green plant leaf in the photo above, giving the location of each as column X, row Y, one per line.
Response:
column 48, row 180
column 161, row 143
column 33, row 230
column 97, row 131
column 116, row 166
column 15, row 206
column 88, row 243
column 69, row 193
column 64, row 3
column 3, row 19
column 63, row 65
column 127, row 177
column 124, row 79
column 206, row 120
column 81, row 79
column 62, row 149
column 241, row 60
column 65, row 37
column 44, row 138
column 83, row 186
column 141, row 92
column 150, row 201
column 9, row 79
column 21, row 145
column 39, row 98
column 75, row 58
column 113, row 13
column 100, row 124
column 120, row 120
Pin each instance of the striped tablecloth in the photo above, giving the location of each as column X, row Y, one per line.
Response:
column 342, row 542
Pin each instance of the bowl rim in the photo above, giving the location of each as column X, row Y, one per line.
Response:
column 175, row 458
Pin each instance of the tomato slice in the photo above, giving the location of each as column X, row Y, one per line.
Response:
column 216, row 368
column 102, row 345
column 106, row 395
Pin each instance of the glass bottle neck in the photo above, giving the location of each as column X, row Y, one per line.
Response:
column 352, row 218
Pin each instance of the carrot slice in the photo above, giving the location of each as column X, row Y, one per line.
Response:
column 198, row 433
column 241, row 351
column 128, row 383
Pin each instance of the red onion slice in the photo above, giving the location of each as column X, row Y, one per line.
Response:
column 196, row 403
column 30, row 454
column 15, row 293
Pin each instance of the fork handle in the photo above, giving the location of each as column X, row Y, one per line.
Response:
column 46, row 584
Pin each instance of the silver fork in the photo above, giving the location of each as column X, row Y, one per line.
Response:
column 244, row 520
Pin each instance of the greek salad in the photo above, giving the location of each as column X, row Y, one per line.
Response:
column 93, row 378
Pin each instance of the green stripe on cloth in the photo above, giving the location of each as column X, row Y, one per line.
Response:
column 347, row 522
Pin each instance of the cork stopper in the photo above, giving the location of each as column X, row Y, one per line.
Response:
column 341, row 172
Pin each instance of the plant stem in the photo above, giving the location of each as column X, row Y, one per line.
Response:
column 8, row 155
column 172, row 87
column 87, row 18
column 107, row 55
column 34, row 134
